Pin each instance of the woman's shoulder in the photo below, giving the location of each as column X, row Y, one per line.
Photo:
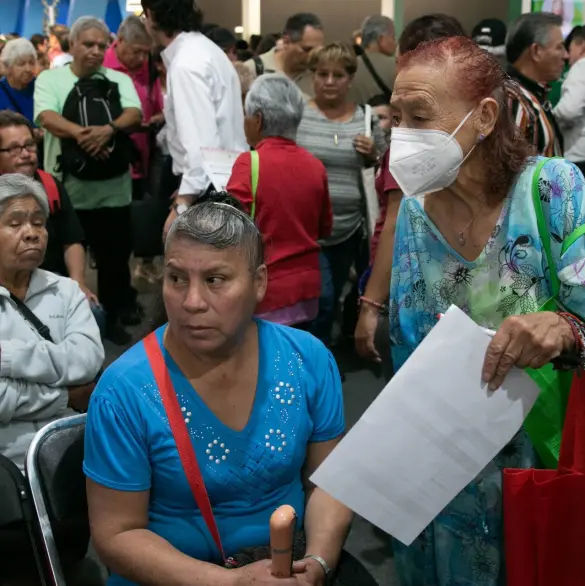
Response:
column 561, row 173
column 126, row 377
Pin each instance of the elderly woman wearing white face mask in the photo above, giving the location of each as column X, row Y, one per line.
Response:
column 467, row 234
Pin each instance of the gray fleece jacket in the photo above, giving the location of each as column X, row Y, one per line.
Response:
column 35, row 373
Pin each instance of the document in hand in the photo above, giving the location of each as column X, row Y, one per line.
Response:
column 430, row 432
column 218, row 166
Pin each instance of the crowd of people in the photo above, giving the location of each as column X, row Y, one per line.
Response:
column 95, row 126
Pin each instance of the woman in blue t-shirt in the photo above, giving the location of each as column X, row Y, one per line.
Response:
column 263, row 407
column 19, row 58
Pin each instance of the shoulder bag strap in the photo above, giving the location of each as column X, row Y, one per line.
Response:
column 255, row 160
column 379, row 81
column 11, row 99
column 31, row 318
column 182, row 437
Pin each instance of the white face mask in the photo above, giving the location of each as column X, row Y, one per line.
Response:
column 424, row 161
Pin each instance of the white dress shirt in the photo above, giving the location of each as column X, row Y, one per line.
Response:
column 570, row 113
column 203, row 106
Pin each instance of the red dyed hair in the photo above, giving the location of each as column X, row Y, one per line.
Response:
column 478, row 75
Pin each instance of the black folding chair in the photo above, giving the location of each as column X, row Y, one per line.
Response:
column 19, row 541
column 54, row 468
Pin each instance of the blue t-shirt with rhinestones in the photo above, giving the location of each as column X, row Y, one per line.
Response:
column 248, row 474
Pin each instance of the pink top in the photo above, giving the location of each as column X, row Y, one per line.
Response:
column 151, row 101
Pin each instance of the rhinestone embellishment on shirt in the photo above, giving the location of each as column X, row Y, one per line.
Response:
column 217, row 451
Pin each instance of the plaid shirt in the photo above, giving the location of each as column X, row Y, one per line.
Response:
column 532, row 112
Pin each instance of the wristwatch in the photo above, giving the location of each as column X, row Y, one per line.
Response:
column 113, row 127
column 322, row 563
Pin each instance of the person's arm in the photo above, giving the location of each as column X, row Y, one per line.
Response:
column 240, row 183
column 191, row 92
column 47, row 112
column 74, row 361
column 26, row 401
column 378, row 286
column 119, row 522
column 571, row 106
column 327, row 521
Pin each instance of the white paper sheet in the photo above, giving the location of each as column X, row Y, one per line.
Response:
column 218, row 165
column 430, row 432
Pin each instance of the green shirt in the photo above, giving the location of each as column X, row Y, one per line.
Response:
column 51, row 90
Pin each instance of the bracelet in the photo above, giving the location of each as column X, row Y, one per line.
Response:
column 382, row 309
column 321, row 562
column 578, row 329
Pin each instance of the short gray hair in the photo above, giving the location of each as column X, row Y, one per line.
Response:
column 16, row 186
column 221, row 225
column 374, row 27
column 530, row 29
column 16, row 50
column 280, row 102
column 132, row 30
column 86, row 23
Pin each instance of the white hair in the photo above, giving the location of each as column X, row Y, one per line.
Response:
column 16, row 50
column 86, row 23
column 280, row 102
column 132, row 30
column 374, row 27
column 16, row 186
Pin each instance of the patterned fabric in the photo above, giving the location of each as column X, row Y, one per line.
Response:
column 531, row 110
column 463, row 545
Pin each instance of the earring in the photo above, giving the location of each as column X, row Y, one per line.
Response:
column 481, row 138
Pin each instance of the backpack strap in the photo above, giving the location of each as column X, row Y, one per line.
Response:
column 386, row 91
column 255, row 159
column 181, row 436
column 259, row 64
column 52, row 190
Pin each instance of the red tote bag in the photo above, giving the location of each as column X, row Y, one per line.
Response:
column 544, row 511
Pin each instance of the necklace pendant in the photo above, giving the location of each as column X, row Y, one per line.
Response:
column 461, row 239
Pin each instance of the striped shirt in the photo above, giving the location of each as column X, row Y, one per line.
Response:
column 532, row 112
column 332, row 143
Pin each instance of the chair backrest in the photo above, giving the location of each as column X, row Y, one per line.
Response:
column 54, row 468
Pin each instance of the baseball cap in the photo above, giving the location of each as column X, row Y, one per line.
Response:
column 490, row 34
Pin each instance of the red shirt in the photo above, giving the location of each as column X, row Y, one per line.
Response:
column 384, row 183
column 293, row 211
column 151, row 100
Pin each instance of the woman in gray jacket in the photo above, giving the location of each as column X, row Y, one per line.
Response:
column 50, row 347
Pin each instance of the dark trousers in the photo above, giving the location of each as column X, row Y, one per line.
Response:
column 336, row 262
column 108, row 234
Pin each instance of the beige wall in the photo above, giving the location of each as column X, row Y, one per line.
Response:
column 469, row 12
column 340, row 17
column 227, row 13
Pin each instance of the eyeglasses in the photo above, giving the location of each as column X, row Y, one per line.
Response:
column 16, row 150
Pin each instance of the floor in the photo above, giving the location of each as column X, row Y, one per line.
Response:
column 362, row 384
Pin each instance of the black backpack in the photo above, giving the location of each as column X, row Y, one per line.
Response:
column 94, row 101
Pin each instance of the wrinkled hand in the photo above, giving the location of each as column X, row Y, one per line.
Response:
column 365, row 146
column 258, row 574
column 309, row 573
column 365, row 333
column 526, row 341
column 79, row 396
column 93, row 139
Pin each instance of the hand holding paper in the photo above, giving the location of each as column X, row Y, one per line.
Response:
column 430, row 432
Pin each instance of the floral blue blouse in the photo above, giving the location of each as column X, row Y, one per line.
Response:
column 510, row 277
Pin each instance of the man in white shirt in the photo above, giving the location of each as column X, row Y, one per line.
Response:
column 204, row 100
column 570, row 111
